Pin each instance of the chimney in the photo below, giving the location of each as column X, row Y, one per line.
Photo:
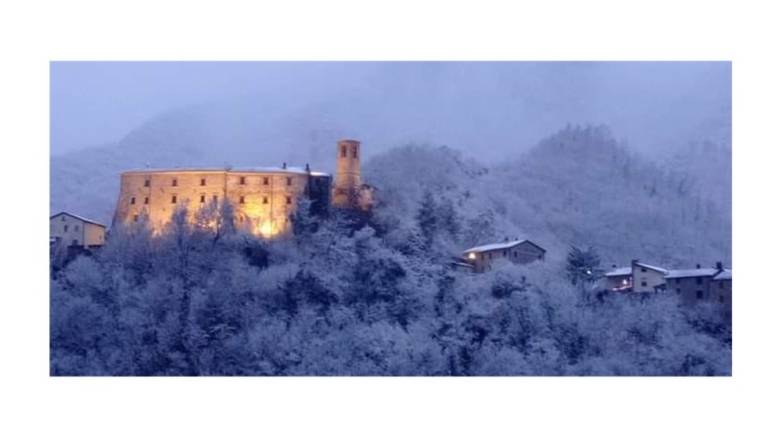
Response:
column 306, row 167
column 698, row 266
column 719, row 266
column 285, row 165
column 635, row 261
column 613, row 266
column 506, row 239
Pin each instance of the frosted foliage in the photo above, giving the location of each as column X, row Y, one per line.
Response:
column 374, row 294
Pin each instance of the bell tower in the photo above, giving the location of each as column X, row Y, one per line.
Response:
column 348, row 180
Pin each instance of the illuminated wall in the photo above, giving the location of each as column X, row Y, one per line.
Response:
column 263, row 199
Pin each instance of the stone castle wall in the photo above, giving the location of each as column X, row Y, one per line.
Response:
column 263, row 199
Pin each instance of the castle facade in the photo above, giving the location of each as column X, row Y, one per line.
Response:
column 263, row 199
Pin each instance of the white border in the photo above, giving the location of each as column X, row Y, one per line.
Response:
column 32, row 34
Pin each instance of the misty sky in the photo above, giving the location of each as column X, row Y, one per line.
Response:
column 488, row 106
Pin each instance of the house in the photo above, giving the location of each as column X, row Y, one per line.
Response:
column 68, row 229
column 517, row 251
column 638, row 277
column 619, row 279
column 697, row 285
column 647, row 278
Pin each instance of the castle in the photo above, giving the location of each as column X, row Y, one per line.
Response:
column 263, row 199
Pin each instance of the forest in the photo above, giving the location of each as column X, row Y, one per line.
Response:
column 375, row 294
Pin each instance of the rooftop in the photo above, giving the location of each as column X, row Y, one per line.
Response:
column 273, row 170
column 86, row 220
column 698, row 272
column 497, row 246
column 724, row 275
column 650, row 267
column 621, row 271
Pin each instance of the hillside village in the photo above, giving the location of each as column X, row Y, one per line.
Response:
column 264, row 200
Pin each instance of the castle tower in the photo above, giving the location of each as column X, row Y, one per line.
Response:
column 348, row 189
column 348, row 164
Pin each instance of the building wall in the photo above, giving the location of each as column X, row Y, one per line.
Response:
column 614, row 282
column 645, row 281
column 263, row 200
column 523, row 253
column 68, row 229
column 688, row 290
column 93, row 235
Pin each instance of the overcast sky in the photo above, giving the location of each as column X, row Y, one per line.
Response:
column 651, row 105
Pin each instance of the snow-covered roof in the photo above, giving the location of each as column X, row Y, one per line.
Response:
column 724, row 275
column 497, row 246
column 685, row 273
column 86, row 220
column 621, row 271
column 650, row 267
column 271, row 170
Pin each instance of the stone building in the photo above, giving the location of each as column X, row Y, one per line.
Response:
column 349, row 191
column 701, row 284
column 647, row 278
column 263, row 199
column 68, row 229
column 517, row 251
column 619, row 279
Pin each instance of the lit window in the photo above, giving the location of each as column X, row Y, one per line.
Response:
column 472, row 255
column 242, row 180
column 202, row 182
column 265, row 180
column 242, row 200
column 173, row 199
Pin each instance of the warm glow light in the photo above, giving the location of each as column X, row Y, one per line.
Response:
column 471, row 255
column 267, row 229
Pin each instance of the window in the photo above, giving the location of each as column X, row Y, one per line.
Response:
column 265, row 200
column 643, row 283
column 66, row 228
column 74, row 242
column 343, row 151
column 354, row 152
column 288, row 181
column 202, row 182
column 698, row 281
column 677, row 281
column 678, row 290
column 699, row 294
column 505, row 252
column 242, row 180
column 135, row 218
column 242, row 200
column 173, row 199
column 642, row 270
column 722, row 285
column 722, row 299
column 63, row 218
column 146, row 182
column 287, row 200
column 77, row 228
column 174, row 182
column 515, row 254
column 215, row 198
column 133, row 200
column 146, row 200
column 202, row 198
column 265, row 181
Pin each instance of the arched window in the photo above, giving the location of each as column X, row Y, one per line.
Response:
column 343, row 151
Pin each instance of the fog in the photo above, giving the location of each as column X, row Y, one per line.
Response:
column 492, row 109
